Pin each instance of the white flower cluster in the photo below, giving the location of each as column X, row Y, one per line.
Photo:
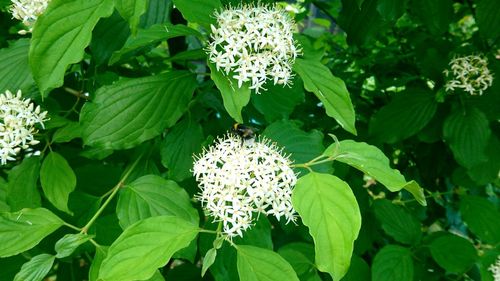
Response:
column 495, row 269
column 241, row 179
column 18, row 118
column 28, row 11
column 469, row 73
column 253, row 44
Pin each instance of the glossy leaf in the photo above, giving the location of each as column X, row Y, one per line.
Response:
column 258, row 264
column 36, row 269
column 328, row 207
column 392, row 263
column 481, row 217
column 131, row 10
column 330, row 90
column 453, row 253
column 22, row 189
column 60, row 37
column 67, row 245
column 24, row 229
column 132, row 111
column 150, row 196
column 397, row 222
column 199, row 11
column 14, row 67
column 58, row 180
column 145, row 246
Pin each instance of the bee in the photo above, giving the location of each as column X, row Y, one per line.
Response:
column 245, row 132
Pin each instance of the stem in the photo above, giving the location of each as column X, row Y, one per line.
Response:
column 72, row 226
column 78, row 94
column 114, row 191
column 208, row 231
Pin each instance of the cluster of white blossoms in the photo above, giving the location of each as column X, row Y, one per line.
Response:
column 28, row 11
column 241, row 179
column 469, row 73
column 495, row 269
column 18, row 118
column 254, row 44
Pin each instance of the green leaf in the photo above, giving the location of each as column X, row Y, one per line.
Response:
column 435, row 14
column 391, row 10
column 330, row 90
column 36, row 269
column 145, row 246
column 67, row 245
column 14, row 67
column 100, row 255
column 135, row 110
column 151, row 196
column 301, row 258
column 482, row 218
column 60, row 37
column 467, row 133
column 258, row 264
column 67, row 133
column 58, row 180
column 131, row 10
column 404, row 116
column 393, row 263
column 22, row 190
column 397, row 222
column 149, row 37
column 361, row 23
column 453, row 253
column 177, row 149
column 487, row 18
column 24, row 229
column 208, row 260
column 159, row 11
column 328, row 207
column 199, row 11
column 359, row 270
column 371, row 161
column 234, row 98
column 108, row 36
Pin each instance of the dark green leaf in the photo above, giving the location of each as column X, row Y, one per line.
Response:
column 405, row 116
column 60, row 37
column 67, row 245
column 58, row 180
column 258, row 264
column 100, row 255
column 23, row 230
column 328, row 207
column 393, row 263
column 108, row 36
column 467, row 134
column 132, row 111
column 488, row 18
column 14, row 67
column 36, row 268
column 151, row 196
column 158, row 12
column 22, row 191
column 145, row 246
column 453, row 253
column 435, row 14
column 67, row 133
column 397, row 222
column 330, row 90
column 234, row 98
column 177, row 149
column 301, row 258
column 199, row 11
column 361, row 23
column 482, row 218
column 391, row 10
column 359, row 270
column 487, row 171
column 131, row 10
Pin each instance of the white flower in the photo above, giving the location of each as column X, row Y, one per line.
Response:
column 18, row 118
column 28, row 11
column 495, row 269
column 469, row 73
column 241, row 179
column 254, row 44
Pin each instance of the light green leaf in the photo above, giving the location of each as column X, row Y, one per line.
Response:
column 234, row 98
column 467, row 133
column 132, row 111
column 481, row 217
column 330, row 90
column 208, row 260
column 145, row 246
column 67, row 133
column 131, row 10
column 177, row 149
column 36, row 269
column 328, row 207
column 453, row 253
column 67, row 245
column 23, row 230
column 392, row 263
column 22, row 190
column 60, row 37
column 397, row 222
column 100, row 255
column 151, row 196
column 258, row 264
column 14, row 67
column 371, row 161
column 487, row 18
column 199, row 11
column 58, row 180
column 149, row 37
